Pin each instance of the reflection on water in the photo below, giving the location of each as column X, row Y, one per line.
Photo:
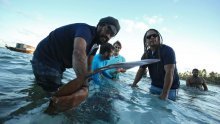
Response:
column 23, row 102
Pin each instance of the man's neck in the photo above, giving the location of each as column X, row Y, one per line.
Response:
column 102, row 57
column 116, row 54
column 153, row 49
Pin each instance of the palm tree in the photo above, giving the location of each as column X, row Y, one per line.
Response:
column 204, row 73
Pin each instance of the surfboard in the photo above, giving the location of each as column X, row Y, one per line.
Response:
column 75, row 84
column 125, row 65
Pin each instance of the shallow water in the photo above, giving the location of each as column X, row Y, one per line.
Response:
column 23, row 102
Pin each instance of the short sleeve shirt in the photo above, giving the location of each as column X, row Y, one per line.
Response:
column 57, row 48
column 156, row 70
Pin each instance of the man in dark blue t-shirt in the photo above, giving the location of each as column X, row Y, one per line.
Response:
column 70, row 46
column 163, row 74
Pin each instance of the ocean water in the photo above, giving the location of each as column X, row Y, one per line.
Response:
column 23, row 102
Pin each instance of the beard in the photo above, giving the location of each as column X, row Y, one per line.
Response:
column 153, row 44
column 101, row 38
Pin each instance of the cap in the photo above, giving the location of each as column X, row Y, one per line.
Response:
column 114, row 24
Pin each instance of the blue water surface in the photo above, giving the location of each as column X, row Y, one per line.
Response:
column 23, row 102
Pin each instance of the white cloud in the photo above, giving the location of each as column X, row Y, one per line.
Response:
column 166, row 30
column 131, row 25
column 176, row 17
column 153, row 20
column 141, row 26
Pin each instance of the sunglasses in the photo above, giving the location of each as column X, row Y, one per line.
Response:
column 152, row 35
column 117, row 47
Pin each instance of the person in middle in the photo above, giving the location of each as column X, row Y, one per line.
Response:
column 116, row 58
column 100, row 60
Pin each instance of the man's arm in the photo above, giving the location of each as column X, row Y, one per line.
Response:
column 73, row 93
column 168, row 80
column 204, row 85
column 188, row 82
column 138, row 76
column 90, row 58
column 79, row 58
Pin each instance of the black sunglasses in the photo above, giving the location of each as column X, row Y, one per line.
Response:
column 152, row 35
column 117, row 47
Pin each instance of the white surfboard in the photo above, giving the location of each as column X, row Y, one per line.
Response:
column 125, row 65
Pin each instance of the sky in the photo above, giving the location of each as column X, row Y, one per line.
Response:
column 190, row 27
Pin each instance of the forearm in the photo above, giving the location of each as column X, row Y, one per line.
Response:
column 90, row 58
column 138, row 76
column 205, row 87
column 79, row 63
column 79, row 57
column 168, row 81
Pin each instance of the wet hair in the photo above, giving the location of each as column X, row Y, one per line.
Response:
column 145, row 37
column 118, row 42
column 106, row 47
column 195, row 69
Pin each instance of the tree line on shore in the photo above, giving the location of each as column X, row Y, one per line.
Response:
column 211, row 78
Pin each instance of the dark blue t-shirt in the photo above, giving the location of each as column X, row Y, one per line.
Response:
column 57, row 48
column 157, row 73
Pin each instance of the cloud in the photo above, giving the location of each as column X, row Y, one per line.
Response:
column 176, row 17
column 131, row 37
column 131, row 25
column 153, row 20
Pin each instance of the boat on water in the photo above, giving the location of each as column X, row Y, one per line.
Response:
column 20, row 47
